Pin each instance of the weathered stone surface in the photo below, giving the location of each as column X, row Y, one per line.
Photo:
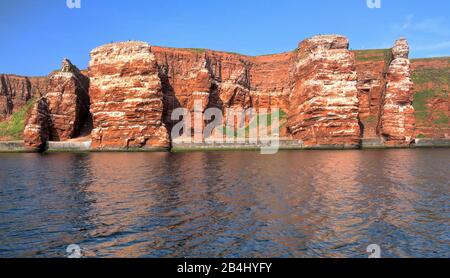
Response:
column 126, row 97
column 329, row 98
column 397, row 115
column 222, row 80
column 371, row 68
column 36, row 132
column 16, row 91
column 432, row 97
column 400, row 49
column 68, row 101
column 324, row 99
column 60, row 113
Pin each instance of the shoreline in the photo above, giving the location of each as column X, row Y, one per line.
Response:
column 284, row 145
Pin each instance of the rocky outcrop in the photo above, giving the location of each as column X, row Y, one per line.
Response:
column 126, row 98
column 37, row 129
column 324, row 99
column 68, row 101
column 397, row 121
column 330, row 96
column 63, row 109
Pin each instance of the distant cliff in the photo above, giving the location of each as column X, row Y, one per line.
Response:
column 328, row 94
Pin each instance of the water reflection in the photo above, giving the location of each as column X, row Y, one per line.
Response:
column 293, row 204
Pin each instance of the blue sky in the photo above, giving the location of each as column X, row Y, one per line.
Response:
column 37, row 35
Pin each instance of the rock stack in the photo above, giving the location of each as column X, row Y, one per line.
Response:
column 397, row 121
column 324, row 97
column 64, row 106
column 126, row 98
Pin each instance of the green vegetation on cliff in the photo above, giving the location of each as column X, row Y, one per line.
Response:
column 432, row 86
column 12, row 128
column 437, row 76
column 373, row 55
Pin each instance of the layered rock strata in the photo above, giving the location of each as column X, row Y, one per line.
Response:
column 397, row 122
column 324, row 98
column 64, row 106
column 68, row 102
column 371, row 68
column 16, row 91
column 328, row 97
column 126, row 98
column 37, row 129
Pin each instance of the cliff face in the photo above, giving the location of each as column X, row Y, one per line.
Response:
column 324, row 99
column 62, row 110
column 37, row 128
column 222, row 80
column 431, row 79
column 329, row 95
column 126, row 98
column 16, row 91
column 397, row 120
column 371, row 68
column 68, row 102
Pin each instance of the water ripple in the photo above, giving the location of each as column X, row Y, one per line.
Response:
column 293, row 204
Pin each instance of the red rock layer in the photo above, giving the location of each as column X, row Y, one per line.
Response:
column 36, row 132
column 126, row 97
column 324, row 98
column 397, row 121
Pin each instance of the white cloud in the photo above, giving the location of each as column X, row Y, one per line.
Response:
column 436, row 26
column 425, row 35
column 434, row 46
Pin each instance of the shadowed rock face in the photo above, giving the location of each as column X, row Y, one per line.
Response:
column 222, row 80
column 126, row 98
column 397, row 115
column 371, row 68
column 324, row 101
column 37, row 129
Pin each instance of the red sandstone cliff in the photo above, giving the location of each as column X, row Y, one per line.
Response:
column 63, row 109
column 222, row 79
column 37, row 128
column 397, row 120
column 330, row 95
column 126, row 98
column 371, row 69
column 432, row 97
column 324, row 97
column 16, row 91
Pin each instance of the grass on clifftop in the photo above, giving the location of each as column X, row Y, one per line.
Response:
column 12, row 128
column 373, row 55
column 437, row 76
column 256, row 122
